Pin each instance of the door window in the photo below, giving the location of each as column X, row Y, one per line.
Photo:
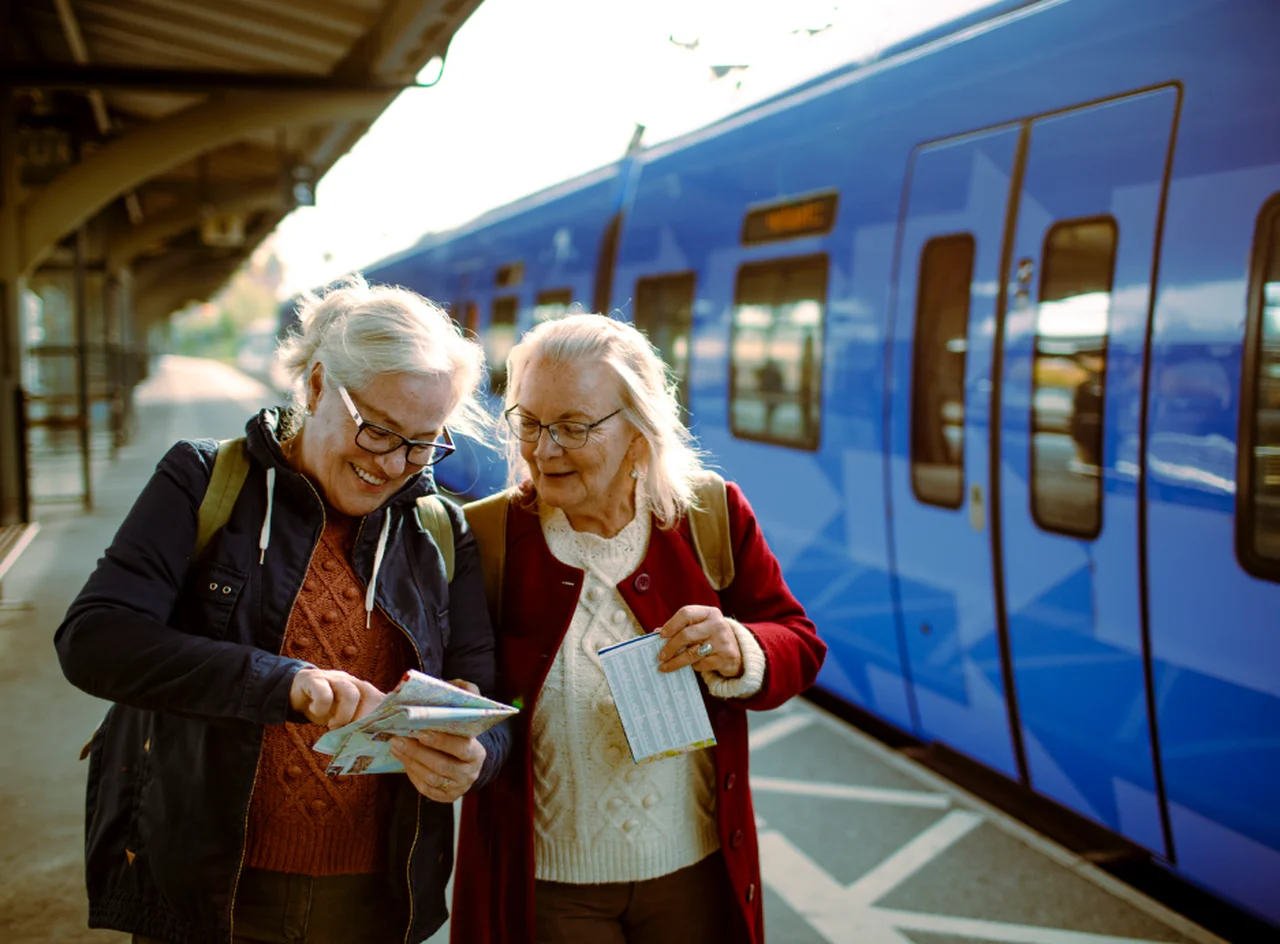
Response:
column 1068, row 376
column 937, row 374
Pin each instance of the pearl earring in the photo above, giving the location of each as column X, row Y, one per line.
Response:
column 635, row 473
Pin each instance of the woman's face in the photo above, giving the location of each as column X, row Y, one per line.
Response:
column 354, row 481
column 592, row 481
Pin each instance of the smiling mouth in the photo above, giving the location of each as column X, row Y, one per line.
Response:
column 367, row 477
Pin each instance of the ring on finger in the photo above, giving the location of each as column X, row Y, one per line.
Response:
column 704, row 650
column 444, row 783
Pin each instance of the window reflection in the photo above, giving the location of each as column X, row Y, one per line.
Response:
column 551, row 304
column 499, row 340
column 937, row 372
column 664, row 312
column 775, row 370
column 1068, row 376
column 1265, row 473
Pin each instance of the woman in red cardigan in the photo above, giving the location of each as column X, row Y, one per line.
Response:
column 573, row 841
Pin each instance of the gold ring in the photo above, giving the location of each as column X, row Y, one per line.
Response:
column 445, row 784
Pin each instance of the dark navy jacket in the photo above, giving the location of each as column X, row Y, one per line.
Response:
column 195, row 674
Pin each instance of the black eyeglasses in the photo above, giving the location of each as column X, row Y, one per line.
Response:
column 567, row 434
column 381, row 441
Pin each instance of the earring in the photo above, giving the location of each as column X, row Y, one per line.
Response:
column 635, row 473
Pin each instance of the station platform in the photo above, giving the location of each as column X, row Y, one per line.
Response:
column 858, row 843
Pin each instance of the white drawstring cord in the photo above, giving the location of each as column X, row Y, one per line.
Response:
column 377, row 563
column 264, row 538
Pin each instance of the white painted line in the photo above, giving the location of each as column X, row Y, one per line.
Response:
column 816, row 897
column 911, row 858
column 999, row 931
column 840, row 791
column 777, row 730
column 1015, row 829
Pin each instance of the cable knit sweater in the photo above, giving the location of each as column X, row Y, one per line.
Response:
column 600, row 816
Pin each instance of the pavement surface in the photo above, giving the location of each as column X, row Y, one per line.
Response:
column 858, row 843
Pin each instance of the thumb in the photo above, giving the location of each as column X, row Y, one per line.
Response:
column 471, row 687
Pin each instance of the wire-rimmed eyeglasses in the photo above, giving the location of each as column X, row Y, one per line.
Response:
column 568, row 434
column 381, row 441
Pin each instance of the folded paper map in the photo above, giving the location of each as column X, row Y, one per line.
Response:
column 419, row 703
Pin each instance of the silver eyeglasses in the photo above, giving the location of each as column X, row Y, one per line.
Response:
column 381, row 441
column 568, row 434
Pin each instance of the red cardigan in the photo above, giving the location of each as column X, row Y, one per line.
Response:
column 493, row 885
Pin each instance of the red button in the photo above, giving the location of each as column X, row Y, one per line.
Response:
column 294, row 771
column 751, row 892
column 736, row 839
column 331, row 616
column 350, row 651
column 730, row 780
column 304, row 641
column 641, row 583
column 319, row 806
column 351, row 593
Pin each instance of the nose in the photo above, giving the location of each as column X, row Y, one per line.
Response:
column 546, row 446
column 392, row 464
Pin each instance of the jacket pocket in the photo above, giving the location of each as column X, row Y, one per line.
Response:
column 213, row 590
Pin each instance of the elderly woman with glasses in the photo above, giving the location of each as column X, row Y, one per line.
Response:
column 210, row 816
column 574, row 841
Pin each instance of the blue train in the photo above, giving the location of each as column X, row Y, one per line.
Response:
column 988, row 329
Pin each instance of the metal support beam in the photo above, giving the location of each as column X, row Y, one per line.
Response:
column 155, row 148
column 90, row 78
column 13, row 506
column 82, row 371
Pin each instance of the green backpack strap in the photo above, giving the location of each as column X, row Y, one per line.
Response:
column 230, row 469
column 709, row 522
column 487, row 519
column 433, row 519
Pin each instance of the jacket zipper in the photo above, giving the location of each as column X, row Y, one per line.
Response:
column 417, row 806
column 244, row 841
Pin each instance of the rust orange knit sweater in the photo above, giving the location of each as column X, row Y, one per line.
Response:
column 299, row 819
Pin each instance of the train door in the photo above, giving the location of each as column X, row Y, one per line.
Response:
column 940, row 388
column 1070, row 420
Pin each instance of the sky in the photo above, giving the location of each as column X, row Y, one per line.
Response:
column 538, row 91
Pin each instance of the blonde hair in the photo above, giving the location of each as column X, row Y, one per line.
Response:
column 358, row 331
column 649, row 402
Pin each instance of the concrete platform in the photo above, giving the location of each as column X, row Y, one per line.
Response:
column 858, row 843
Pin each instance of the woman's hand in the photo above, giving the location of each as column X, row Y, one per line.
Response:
column 441, row 766
column 688, row 635
column 332, row 698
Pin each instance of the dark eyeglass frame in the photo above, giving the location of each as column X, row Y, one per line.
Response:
column 510, row 416
column 439, row 450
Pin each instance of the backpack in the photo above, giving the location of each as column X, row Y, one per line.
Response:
column 231, row 468
column 708, row 521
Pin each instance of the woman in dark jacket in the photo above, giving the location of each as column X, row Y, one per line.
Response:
column 210, row 817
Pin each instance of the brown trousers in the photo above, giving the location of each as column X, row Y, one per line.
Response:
column 282, row 908
column 692, row 906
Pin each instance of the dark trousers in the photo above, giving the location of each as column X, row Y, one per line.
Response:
column 282, row 908
column 692, row 906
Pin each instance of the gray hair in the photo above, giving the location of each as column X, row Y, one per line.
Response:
column 358, row 331
column 649, row 402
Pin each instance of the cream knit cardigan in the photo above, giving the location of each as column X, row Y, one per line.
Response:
column 599, row 816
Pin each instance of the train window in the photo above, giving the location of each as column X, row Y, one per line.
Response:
column 1068, row 373
column 499, row 340
column 1258, row 520
column 937, row 370
column 551, row 304
column 664, row 312
column 471, row 318
column 775, row 367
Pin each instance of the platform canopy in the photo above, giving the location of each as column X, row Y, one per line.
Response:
column 171, row 136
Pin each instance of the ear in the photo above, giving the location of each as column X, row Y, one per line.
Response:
column 315, row 386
